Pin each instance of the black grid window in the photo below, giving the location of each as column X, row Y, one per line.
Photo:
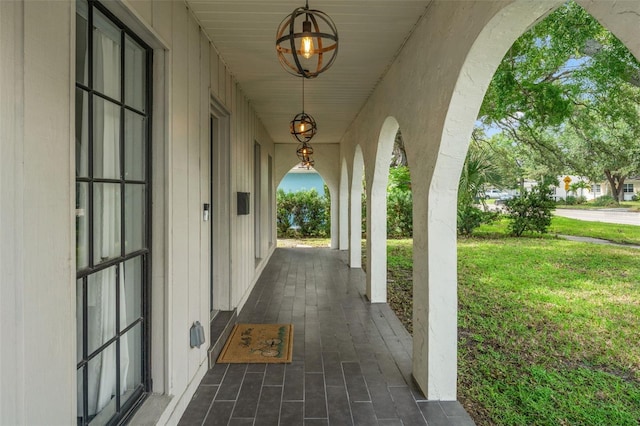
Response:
column 113, row 122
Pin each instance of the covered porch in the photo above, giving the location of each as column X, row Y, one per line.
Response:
column 351, row 359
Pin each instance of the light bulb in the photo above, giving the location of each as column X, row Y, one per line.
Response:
column 307, row 41
column 302, row 127
column 307, row 47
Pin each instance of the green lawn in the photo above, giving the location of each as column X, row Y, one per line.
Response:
column 549, row 329
column 626, row 234
column 549, row 332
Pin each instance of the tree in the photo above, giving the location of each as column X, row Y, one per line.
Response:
column 399, row 203
column 399, row 155
column 603, row 138
column 579, row 186
column 478, row 172
column 568, row 90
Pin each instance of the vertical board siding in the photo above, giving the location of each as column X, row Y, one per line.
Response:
column 205, row 186
column 12, row 366
column 193, row 190
column 178, row 176
column 49, row 276
column 214, row 73
column 161, row 13
column 196, row 73
column 143, row 8
column 222, row 82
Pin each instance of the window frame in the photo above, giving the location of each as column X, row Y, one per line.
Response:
column 144, row 387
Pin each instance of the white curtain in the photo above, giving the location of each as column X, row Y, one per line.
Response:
column 101, row 289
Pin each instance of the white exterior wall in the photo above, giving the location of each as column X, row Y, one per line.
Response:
column 37, row 222
column 37, row 273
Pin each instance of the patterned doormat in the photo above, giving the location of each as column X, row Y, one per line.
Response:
column 258, row 344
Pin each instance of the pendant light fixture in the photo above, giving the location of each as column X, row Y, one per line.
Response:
column 304, row 153
column 307, row 42
column 303, row 127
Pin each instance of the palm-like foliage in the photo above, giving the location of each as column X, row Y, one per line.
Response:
column 477, row 173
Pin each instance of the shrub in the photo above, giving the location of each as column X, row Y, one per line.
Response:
column 572, row 200
column 636, row 197
column 302, row 214
column 531, row 211
column 605, row 201
column 399, row 214
column 469, row 218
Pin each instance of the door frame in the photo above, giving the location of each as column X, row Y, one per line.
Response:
column 220, row 196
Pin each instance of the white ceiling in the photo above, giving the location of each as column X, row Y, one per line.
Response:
column 371, row 33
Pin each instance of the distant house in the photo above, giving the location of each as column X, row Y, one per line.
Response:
column 630, row 187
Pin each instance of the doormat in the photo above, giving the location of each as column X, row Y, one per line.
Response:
column 258, row 344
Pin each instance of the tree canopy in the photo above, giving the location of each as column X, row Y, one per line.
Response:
column 566, row 97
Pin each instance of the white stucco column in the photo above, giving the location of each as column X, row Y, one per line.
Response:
column 344, row 207
column 435, row 293
column 355, row 211
column 335, row 213
column 377, row 245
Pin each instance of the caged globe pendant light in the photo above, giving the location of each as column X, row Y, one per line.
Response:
column 303, row 127
column 304, row 152
column 312, row 50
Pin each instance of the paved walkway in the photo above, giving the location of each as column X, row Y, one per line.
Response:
column 596, row 241
column 620, row 216
column 351, row 359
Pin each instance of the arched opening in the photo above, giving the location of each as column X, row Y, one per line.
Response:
column 377, row 216
column 400, row 235
column 303, row 206
column 539, row 329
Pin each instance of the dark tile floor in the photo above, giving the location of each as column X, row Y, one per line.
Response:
column 351, row 359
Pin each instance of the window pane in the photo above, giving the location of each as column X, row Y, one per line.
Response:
column 82, row 40
column 106, row 222
column 82, row 225
column 82, row 133
column 131, row 297
column 106, row 56
column 130, row 362
column 80, row 393
column 101, row 308
column 134, row 146
column 134, row 217
column 102, row 385
column 79, row 327
column 106, row 139
column 134, row 75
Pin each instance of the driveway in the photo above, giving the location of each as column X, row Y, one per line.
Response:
column 621, row 216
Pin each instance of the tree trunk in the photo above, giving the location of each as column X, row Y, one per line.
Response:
column 616, row 182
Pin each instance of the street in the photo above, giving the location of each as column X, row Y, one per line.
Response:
column 621, row 216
